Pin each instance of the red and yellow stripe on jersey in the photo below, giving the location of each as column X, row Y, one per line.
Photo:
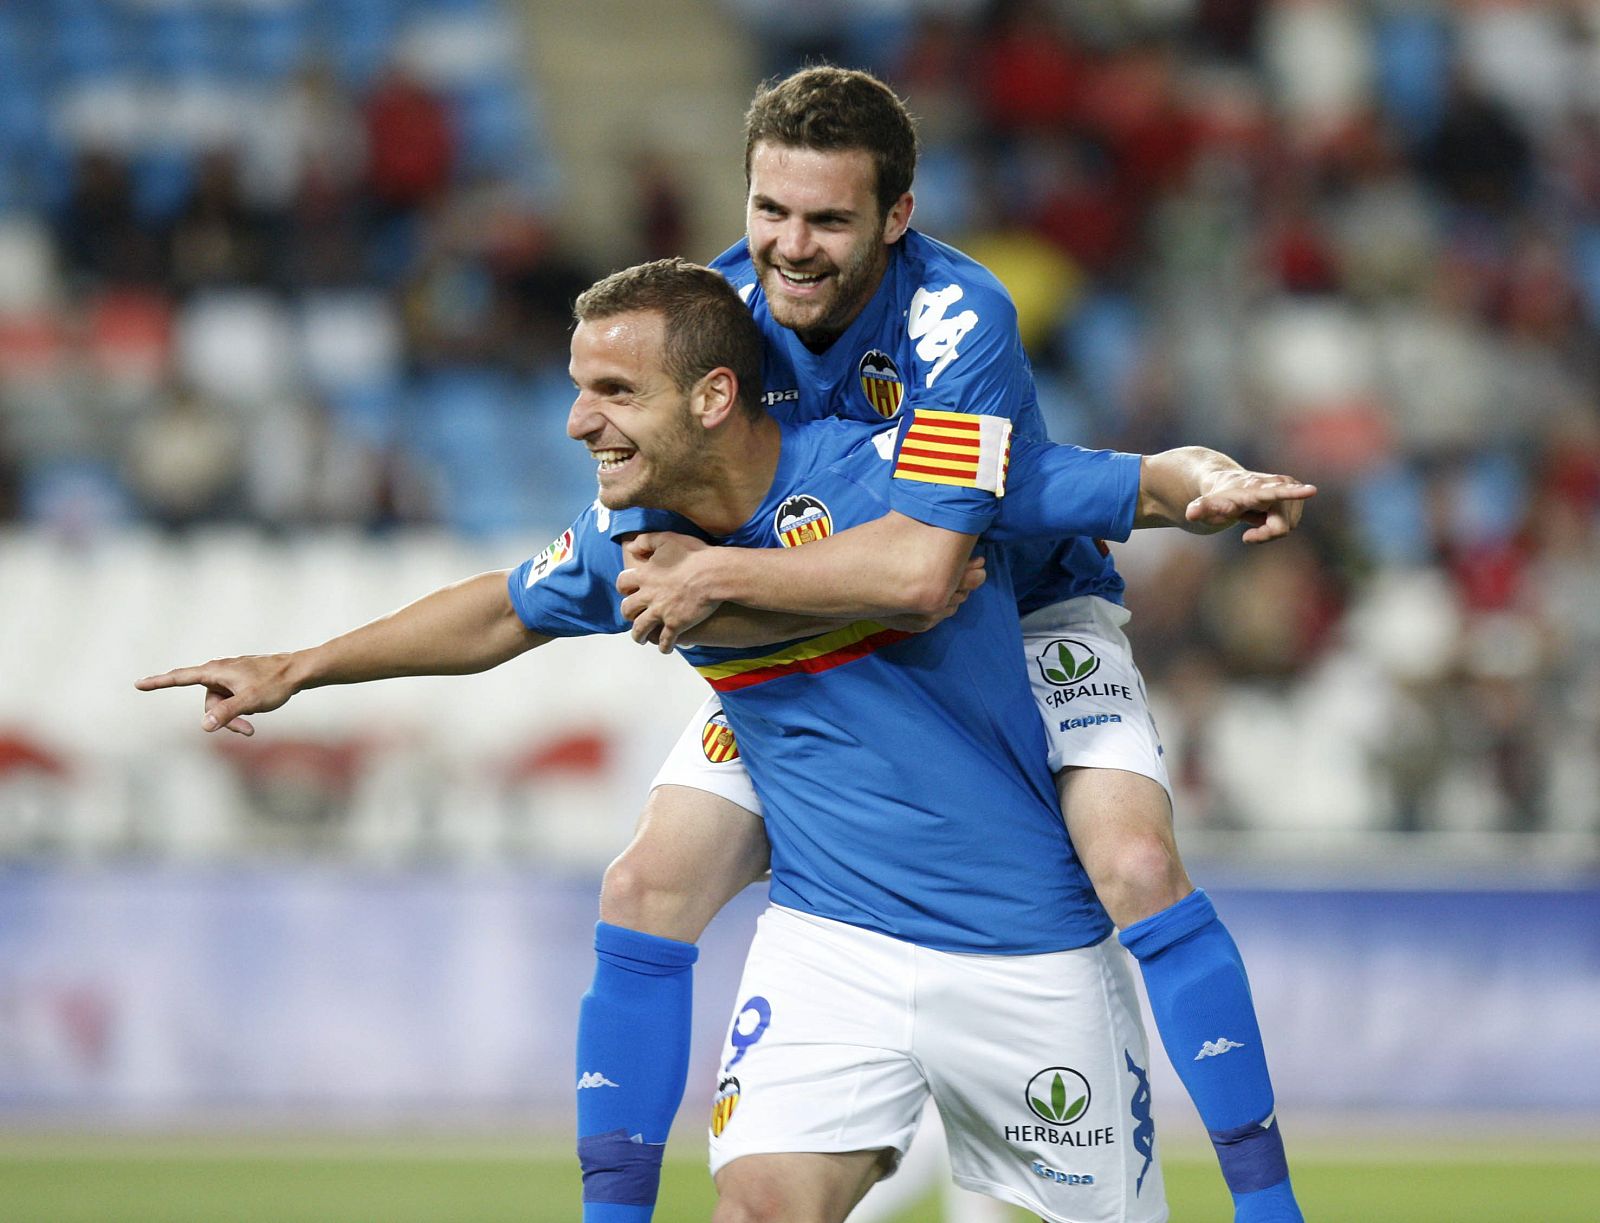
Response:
column 813, row 655
column 961, row 448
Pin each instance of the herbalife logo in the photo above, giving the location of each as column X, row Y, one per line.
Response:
column 1067, row 661
column 1058, row 1095
column 1216, row 1048
column 595, row 1079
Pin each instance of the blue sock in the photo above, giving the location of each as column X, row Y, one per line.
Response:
column 633, row 1061
column 1200, row 998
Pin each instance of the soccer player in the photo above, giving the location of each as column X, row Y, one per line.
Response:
column 921, row 871
column 866, row 319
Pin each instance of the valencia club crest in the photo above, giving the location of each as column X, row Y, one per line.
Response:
column 880, row 382
column 800, row 519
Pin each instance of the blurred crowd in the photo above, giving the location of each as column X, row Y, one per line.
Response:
column 1355, row 242
column 276, row 262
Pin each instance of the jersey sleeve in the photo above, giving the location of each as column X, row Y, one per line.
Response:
column 637, row 519
column 967, row 359
column 569, row 589
column 1055, row 492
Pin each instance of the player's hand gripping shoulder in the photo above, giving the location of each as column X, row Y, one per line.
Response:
column 668, row 588
column 663, row 586
column 255, row 683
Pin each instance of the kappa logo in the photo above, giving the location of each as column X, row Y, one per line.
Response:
column 1144, row 1126
column 1216, row 1048
column 801, row 519
column 1058, row 1094
column 880, row 382
column 595, row 1079
column 557, row 554
column 936, row 335
column 717, row 739
column 1067, row 661
column 722, row 1107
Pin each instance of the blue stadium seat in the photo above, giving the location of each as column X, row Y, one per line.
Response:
column 89, row 43
column 162, row 180
column 1104, row 341
column 358, row 37
column 273, row 43
column 181, row 41
column 1413, row 56
column 491, row 122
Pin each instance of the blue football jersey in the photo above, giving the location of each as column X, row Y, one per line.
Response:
column 903, row 775
column 940, row 332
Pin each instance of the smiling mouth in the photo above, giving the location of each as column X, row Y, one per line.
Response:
column 610, row 460
column 799, row 280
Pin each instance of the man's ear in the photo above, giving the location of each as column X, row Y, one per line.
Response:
column 898, row 220
column 715, row 397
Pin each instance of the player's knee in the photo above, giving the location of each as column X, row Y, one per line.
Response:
column 633, row 895
column 759, row 1202
column 1139, row 875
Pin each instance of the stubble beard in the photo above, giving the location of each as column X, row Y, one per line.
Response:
column 819, row 324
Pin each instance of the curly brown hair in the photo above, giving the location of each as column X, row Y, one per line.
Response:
column 830, row 108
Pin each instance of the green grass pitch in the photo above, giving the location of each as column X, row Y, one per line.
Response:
column 340, row 1180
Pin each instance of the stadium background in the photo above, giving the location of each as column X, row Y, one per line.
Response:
column 283, row 294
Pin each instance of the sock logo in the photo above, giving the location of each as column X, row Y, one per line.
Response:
column 1216, row 1048
column 595, row 1079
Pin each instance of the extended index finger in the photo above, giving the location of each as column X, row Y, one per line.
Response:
column 179, row 678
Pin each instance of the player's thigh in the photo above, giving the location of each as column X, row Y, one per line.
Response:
column 1088, row 691
column 1040, row 1067
column 796, row 1187
column 817, row 1055
column 1121, row 826
column 699, row 840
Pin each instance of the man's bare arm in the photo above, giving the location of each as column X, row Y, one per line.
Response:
column 459, row 629
column 1205, row 491
column 888, row 568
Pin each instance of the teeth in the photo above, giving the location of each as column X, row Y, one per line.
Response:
column 800, row 278
column 611, row 458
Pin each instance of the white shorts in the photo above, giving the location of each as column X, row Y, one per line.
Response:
column 1089, row 693
column 1038, row 1064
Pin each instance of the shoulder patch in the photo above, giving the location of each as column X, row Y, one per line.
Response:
column 965, row 449
column 801, row 519
column 880, row 382
column 557, row 554
column 936, row 334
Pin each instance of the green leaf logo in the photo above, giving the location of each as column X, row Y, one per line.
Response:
column 1059, row 1095
column 1067, row 662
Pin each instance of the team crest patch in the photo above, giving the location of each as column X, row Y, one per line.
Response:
column 557, row 554
column 717, row 741
column 801, row 519
column 880, row 382
column 722, row 1107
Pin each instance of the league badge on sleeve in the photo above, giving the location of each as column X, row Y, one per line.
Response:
column 800, row 519
column 880, row 382
column 557, row 554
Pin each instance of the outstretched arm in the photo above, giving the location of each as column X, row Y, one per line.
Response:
column 1205, row 491
column 459, row 629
